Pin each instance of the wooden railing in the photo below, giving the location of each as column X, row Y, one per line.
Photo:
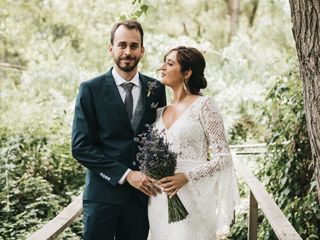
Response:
column 64, row 219
column 258, row 196
column 249, row 149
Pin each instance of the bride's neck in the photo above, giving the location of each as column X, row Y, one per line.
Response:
column 179, row 95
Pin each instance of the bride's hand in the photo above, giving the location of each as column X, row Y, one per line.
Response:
column 172, row 184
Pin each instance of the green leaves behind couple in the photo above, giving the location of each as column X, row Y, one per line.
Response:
column 136, row 14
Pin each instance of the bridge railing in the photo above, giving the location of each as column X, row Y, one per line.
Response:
column 258, row 197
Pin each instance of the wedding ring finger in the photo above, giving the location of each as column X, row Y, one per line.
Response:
column 147, row 188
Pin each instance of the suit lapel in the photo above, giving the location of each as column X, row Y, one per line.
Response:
column 145, row 100
column 113, row 95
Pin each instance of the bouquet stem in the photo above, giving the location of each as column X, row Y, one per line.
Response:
column 176, row 210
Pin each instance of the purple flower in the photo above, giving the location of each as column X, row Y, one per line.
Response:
column 157, row 161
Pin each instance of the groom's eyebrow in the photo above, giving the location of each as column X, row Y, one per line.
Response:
column 128, row 42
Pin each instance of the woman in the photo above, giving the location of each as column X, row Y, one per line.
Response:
column 193, row 124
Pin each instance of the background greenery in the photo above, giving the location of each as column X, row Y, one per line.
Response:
column 57, row 44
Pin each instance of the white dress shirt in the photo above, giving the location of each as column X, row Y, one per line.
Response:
column 135, row 94
column 135, row 90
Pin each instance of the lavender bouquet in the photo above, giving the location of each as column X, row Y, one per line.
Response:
column 157, row 161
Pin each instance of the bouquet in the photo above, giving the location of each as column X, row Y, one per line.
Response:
column 157, row 161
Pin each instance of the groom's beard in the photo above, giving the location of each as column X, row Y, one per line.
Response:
column 127, row 67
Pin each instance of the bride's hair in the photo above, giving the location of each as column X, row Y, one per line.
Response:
column 192, row 59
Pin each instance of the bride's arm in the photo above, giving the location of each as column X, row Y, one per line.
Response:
column 212, row 123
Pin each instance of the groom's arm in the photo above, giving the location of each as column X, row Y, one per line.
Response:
column 85, row 143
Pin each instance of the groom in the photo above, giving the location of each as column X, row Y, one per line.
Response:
column 110, row 111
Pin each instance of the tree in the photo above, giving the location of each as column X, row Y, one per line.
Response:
column 234, row 12
column 306, row 31
column 252, row 16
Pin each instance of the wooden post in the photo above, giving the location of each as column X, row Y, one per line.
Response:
column 253, row 218
column 278, row 221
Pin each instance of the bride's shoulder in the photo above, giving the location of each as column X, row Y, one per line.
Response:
column 208, row 103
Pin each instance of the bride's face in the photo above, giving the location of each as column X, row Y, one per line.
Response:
column 171, row 71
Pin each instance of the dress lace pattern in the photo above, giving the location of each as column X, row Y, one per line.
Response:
column 211, row 192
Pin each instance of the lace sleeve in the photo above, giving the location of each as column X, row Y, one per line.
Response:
column 212, row 123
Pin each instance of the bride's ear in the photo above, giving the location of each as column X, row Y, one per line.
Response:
column 187, row 74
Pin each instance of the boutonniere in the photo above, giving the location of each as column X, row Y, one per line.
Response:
column 151, row 87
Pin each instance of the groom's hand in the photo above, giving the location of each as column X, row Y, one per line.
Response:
column 141, row 182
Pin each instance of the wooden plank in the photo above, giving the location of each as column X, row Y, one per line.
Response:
column 253, row 218
column 250, row 152
column 63, row 220
column 253, row 145
column 279, row 223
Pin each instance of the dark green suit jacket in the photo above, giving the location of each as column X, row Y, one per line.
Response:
column 102, row 136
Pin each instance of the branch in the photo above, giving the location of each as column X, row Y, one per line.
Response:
column 10, row 66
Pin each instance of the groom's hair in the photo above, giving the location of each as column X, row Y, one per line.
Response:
column 128, row 24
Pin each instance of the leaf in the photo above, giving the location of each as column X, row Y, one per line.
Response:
column 138, row 13
column 123, row 18
column 144, row 8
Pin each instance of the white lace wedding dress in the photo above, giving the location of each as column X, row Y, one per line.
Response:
column 211, row 192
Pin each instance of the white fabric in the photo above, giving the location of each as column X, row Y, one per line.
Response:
column 124, row 177
column 211, row 193
column 135, row 90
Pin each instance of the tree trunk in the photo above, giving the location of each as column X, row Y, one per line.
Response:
column 252, row 16
column 305, row 16
column 234, row 12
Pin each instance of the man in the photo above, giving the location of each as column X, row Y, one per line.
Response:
column 110, row 111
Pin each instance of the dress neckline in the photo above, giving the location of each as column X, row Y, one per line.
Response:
column 184, row 112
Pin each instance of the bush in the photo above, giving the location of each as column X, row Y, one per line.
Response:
column 288, row 171
column 37, row 180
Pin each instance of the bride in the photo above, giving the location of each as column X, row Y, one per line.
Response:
column 205, row 180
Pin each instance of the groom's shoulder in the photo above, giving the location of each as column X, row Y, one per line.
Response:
column 147, row 78
column 96, row 81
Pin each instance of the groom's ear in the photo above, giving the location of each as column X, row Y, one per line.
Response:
column 142, row 51
column 110, row 48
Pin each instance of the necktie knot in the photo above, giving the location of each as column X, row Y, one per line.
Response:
column 127, row 86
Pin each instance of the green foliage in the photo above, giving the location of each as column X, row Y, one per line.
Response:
column 38, row 177
column 59, row 44
column 136, row 14
column 247, row 128
column 287, row 171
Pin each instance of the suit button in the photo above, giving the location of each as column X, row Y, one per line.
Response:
column 134, row 163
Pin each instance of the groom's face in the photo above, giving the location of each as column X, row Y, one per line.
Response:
column 126, row 49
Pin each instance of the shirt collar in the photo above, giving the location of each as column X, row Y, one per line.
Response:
column 119, row 80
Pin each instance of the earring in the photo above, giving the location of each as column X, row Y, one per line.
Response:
column 185, row 86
